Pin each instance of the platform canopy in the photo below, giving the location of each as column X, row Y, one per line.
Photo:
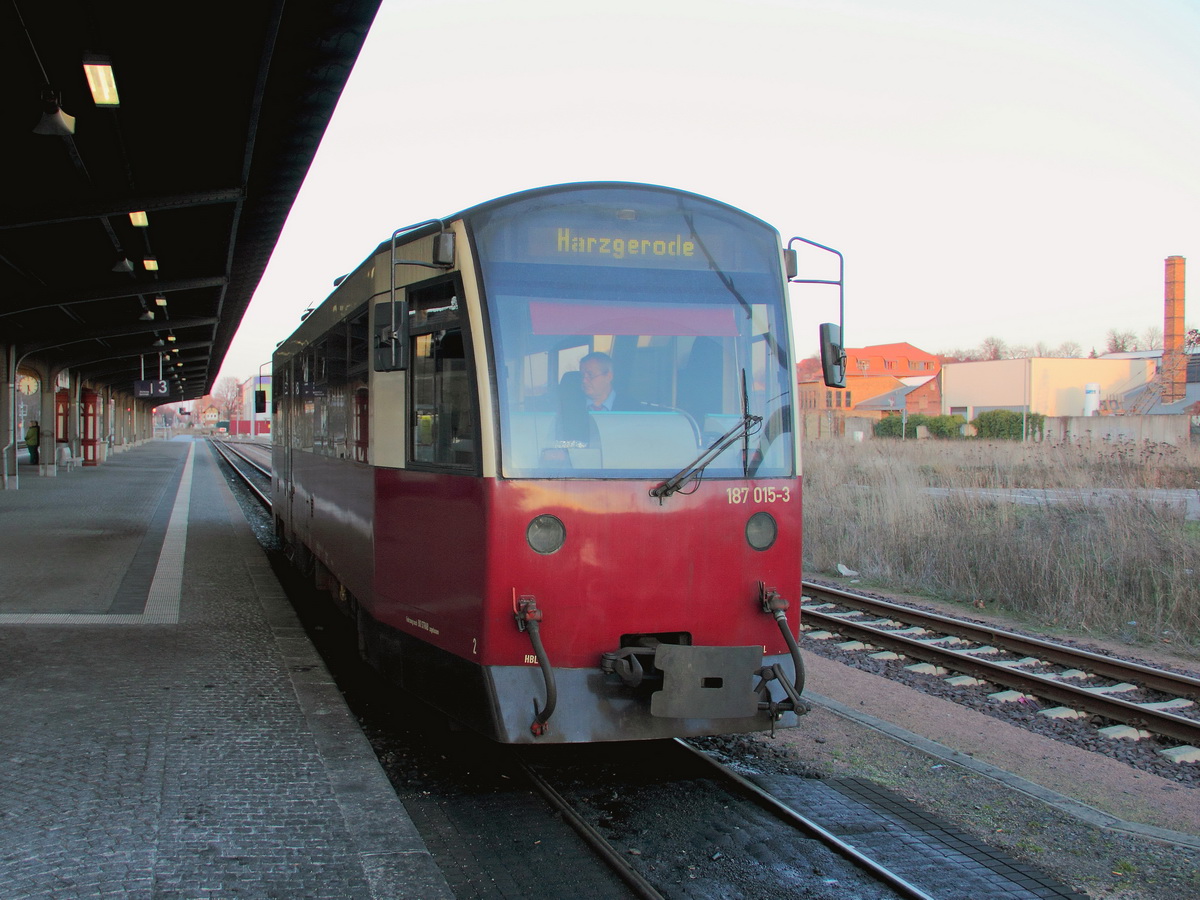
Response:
column 218, row 112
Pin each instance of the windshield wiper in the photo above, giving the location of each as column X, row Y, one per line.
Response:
column 693, row 470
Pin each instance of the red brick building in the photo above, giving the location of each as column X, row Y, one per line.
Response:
column 879, row 379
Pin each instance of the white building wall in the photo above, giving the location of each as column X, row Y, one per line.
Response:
column 1052, row 387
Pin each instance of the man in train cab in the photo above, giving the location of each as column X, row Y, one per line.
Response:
column 589, row 390
column 597, row 371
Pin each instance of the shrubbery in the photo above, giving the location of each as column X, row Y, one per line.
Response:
column 1006, row 425
column 946, row 426
column 939, row 426
column 995, row 424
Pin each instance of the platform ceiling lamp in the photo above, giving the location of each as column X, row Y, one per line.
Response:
column 139, row 219
column 122, row 264
column 97, row 67
column 54, row 121
column 150, row 264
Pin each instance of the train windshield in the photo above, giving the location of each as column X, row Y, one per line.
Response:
column 631, row 330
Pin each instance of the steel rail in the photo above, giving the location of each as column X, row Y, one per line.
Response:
column 638, row 884
column 254, row 489
column 1150, row 677
column 780, row 809
column 232, row 448
column 1157, row 721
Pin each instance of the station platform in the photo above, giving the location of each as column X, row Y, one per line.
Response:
column 168, row 731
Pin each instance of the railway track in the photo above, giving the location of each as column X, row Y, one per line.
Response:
column 734, row 783
column 255, row 476
column 674, row 821
column 1075, row 683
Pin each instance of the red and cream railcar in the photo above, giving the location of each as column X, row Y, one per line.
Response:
column 540, row 569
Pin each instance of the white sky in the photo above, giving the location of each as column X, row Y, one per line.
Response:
column 1017, row 169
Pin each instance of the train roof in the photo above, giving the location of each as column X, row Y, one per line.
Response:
column 432, row 226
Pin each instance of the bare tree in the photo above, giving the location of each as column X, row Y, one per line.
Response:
column 953, row 356
column 993, row 348
column 227, row 396
column 1151, row 339
column 1117, row 341
column 1069, row 350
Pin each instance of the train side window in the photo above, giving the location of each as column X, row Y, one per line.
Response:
column 444, row 413
column 443, row 428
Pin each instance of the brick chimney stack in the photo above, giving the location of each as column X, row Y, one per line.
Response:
column 1174, row 360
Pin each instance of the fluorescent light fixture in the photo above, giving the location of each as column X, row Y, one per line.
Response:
column 138, row 219
column 150, row 263
column 101, row 82
column 171, row 337
column 160, row 301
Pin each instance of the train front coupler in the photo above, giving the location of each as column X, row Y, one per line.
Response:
column 626, row 665
column 776, row 606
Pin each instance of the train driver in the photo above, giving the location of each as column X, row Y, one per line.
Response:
column 597, row 371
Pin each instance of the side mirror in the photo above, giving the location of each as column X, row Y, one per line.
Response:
column 833, row 355
column 443, row 249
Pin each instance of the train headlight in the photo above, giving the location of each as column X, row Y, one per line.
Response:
column 546, row 534
column 761, row 530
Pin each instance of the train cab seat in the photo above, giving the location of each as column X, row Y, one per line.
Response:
column 776, row 456
column 700, row 379
column 573, row 422
column 715, row 425
column 529, row 435
column 645, row 440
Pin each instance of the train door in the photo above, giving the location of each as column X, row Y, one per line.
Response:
column 431, row 513
column 62, row 406
column 358, row 353
column 281, row 429
column 362, row 423
column 90, row 422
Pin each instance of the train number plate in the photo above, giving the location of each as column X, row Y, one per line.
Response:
column 738, row 495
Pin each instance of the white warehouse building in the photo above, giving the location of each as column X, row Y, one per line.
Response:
column 1050, row 386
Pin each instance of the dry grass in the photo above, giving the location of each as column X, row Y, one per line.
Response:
column 1102, row 561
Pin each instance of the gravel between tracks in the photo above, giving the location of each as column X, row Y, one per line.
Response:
column 1105, row 861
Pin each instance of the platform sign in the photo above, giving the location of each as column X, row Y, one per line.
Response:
column 150, row 389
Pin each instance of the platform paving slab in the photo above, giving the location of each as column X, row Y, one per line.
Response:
column 169, row 731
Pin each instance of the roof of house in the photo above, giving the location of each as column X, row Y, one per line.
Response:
column 892, row 400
